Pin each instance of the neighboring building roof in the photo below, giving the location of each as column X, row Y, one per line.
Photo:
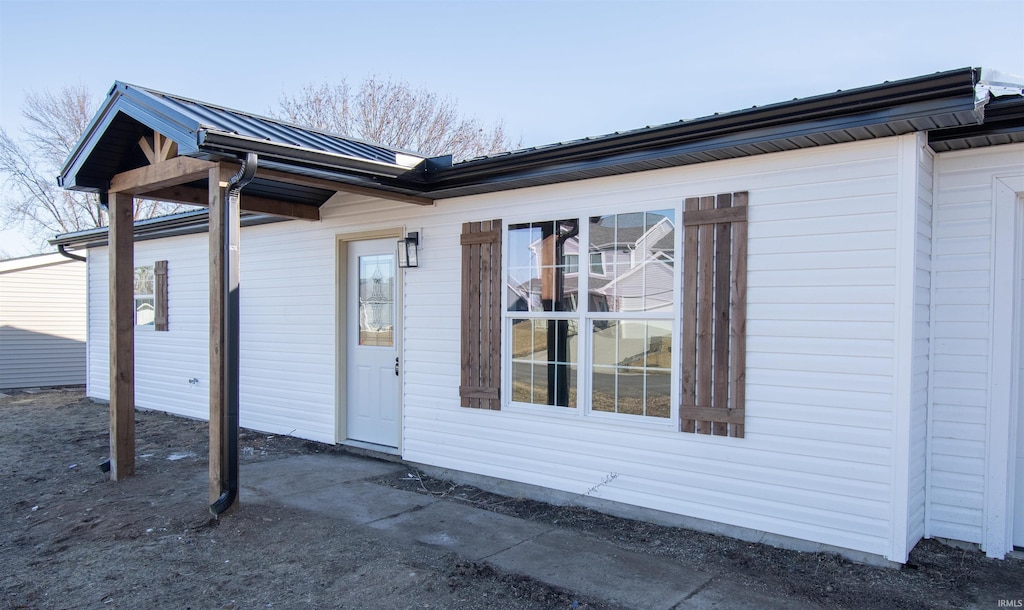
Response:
column 954, row 107
column 35, row 260
column 183, row 223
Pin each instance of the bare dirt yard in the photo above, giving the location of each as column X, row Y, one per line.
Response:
column 70, row 538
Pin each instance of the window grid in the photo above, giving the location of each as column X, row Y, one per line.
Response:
column 650, row 368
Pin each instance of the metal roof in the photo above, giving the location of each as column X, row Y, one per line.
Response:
column 109, row 144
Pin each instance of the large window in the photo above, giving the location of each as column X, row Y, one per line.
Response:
column 614, row 345
column 634, row 316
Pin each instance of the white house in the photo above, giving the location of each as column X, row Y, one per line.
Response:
column 836, row 360
column 42, row 321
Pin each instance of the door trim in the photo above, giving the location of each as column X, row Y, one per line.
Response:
column 341, row 259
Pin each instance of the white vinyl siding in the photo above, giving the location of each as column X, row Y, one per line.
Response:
column 962, row 254
column 42, row 322
column 817, row 460
column 287, row 338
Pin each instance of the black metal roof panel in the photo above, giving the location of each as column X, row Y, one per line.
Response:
column 209, row 116
column 109, row 144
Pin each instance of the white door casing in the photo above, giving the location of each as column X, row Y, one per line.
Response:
column 372, row 319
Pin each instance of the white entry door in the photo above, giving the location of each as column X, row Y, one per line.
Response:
column 372, row 317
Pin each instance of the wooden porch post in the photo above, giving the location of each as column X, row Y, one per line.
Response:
column 224, row 342
column 122, row 335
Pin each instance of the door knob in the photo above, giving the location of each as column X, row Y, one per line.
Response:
column 396, row 366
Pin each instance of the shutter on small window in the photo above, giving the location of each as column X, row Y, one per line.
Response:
column 160, row 295
column 481, row 315
column 714, row 314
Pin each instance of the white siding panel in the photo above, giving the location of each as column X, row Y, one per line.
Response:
column 820, row 361
column 962, row 267
column 287, row 331
column 42, row 322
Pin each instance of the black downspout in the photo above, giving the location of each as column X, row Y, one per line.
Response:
column 62, row 249
column 229, row 429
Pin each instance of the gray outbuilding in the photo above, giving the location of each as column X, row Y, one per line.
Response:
column 42, row 321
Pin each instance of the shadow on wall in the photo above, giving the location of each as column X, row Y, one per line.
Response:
column 34, row 359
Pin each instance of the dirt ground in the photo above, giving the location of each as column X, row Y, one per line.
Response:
column 72, row 539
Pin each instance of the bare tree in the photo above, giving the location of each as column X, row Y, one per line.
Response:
column 32, row 201
column 392, row 113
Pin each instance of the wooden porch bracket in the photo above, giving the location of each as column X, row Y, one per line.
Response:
column 197, row 196
column 168, row 180
column 122, row 335
column 179, row 170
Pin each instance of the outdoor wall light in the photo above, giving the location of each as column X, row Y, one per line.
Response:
column 407, row 254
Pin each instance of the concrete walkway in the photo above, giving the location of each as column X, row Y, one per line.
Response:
column 336, row 487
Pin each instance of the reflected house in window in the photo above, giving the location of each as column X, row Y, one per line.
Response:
column 630, row 270
column 630, row 266
column 145, row 313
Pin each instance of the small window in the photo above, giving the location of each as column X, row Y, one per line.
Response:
column 145, row 302
column 596, row 264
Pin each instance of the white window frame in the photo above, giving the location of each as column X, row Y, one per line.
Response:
column 585, row 320
column 151, row 296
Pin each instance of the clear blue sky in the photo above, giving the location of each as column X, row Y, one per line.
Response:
column 553, row 71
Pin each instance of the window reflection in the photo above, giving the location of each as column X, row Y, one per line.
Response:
column 632, row 258
column 545, row 354
column 632, row 362
column 627, row 313
column 145, row 302
column 543, row 266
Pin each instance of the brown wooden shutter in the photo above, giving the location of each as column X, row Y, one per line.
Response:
column 160, row 295
column 714, row 314
column 481, row 315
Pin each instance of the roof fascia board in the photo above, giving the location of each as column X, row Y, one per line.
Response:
column 548, row 172
column 955, row 85
column 211, row 140
column 123, row 99
column 158, row 112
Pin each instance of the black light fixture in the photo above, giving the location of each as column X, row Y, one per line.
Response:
column 407, row 254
